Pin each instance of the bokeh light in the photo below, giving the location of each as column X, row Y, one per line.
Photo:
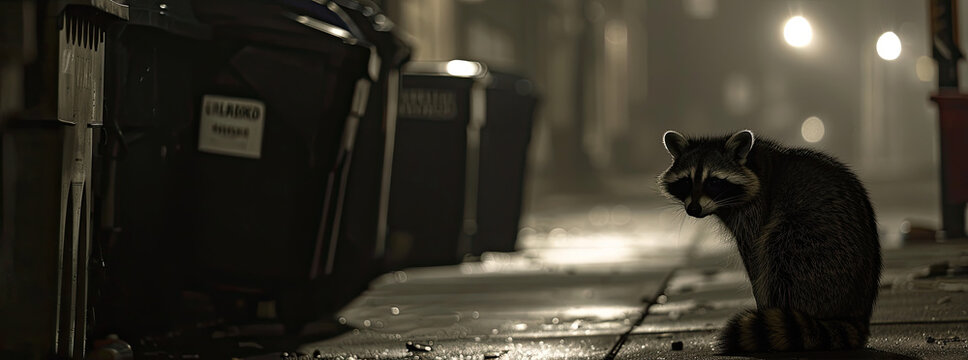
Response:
column 889, row 46
column 926, row 69
column 700, row 9
column 812, row 129
column 463, row 68
column 797, row 32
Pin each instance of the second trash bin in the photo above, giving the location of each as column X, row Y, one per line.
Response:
column 433, row 187
column 505, row 140
column 459, row 163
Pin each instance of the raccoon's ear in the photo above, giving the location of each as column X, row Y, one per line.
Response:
column 739, row 145
column 674, row 143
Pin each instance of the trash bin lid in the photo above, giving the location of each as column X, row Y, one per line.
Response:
column 317, row 11
column 452, row 68
column 173, row 16
column 274, row 21
column 378, row 29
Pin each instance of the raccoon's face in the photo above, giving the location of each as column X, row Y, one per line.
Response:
column 708, row 174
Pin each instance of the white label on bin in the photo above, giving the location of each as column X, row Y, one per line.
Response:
column 231, row 126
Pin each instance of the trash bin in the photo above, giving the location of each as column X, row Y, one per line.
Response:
column 238, row 167
column 32, row 155
column 141, row 229
column 433, row 191
column 355, row 256
column 182, row 194
column 459, row 163
column 505, row 138
column 280, row 96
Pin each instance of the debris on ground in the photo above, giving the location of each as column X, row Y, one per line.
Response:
column 677, row 345
column 415, row 347
column 944, row 341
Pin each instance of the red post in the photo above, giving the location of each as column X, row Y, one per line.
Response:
column 953, row 124
column 953, row 127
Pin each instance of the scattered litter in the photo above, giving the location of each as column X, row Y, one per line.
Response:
column 415, row 347
column 937, row 269
column 495, row 355
column 676, row 345
column 944, row 341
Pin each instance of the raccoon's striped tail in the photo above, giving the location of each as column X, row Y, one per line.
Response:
column 776, row 329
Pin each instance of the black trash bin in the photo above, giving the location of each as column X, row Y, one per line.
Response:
column 505, row 139
column 76, row 92
column 238, row 170
column 433, row 187
column 232, row 216
column 141, row 221
column 355, row 256
column 280, row 95
column 459, row 162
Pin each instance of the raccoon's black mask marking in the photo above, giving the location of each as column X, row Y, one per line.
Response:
column 709, row 173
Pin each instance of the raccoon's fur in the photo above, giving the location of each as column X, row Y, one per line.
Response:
column 805, row 230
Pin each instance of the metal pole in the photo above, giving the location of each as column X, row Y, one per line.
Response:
column 79, row 106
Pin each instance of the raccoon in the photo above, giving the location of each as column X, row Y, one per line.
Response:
column 804, row 228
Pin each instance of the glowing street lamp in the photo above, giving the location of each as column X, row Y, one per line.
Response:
column 797, row 32
column 888, row 46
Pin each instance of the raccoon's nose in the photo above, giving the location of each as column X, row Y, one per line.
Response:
column 694, row 209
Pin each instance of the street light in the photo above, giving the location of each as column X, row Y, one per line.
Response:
column 797, row 32
column 889, row 46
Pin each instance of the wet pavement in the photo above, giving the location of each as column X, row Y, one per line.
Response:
column 618, row 281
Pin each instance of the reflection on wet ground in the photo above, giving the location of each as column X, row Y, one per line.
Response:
column 623, row 280
column 580, row 279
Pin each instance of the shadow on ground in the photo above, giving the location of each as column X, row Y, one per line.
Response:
column 856, row 354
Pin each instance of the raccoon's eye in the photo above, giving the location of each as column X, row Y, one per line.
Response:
column 680, row 188
column 715, row 185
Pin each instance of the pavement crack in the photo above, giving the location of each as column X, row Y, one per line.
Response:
column 645, row 313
